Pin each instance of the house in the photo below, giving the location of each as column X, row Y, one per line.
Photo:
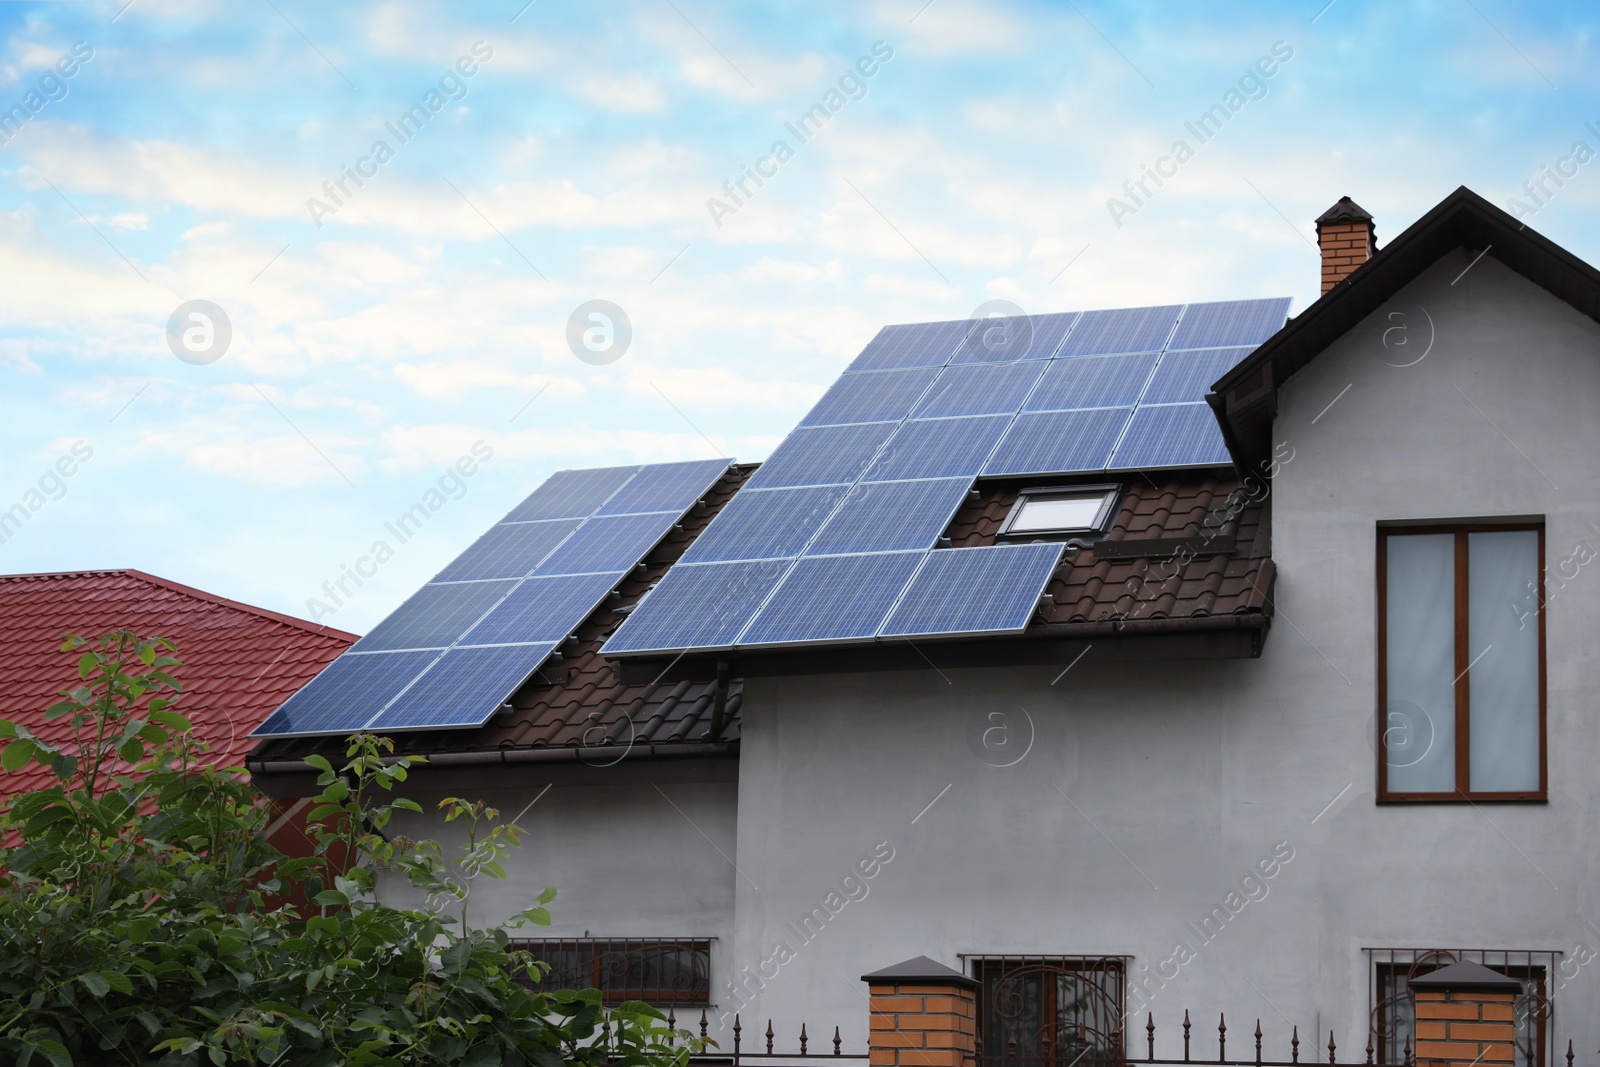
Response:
column 1130, row 664
column 238, row 662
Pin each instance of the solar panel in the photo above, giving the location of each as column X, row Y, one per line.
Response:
column 1185, row 377
column 346, row 695
column 832, row 598
column 1092, row 382
column 993, row 589
column 824, row 455
column 1230, row 322
column 765, row 524
column 543, row 609
column 885, row 516
column 938, row 448
column 665, row 487
column 870, row 396
column 920, row 344
column 701, row 606
column 571, row 494
column 609, row 543
column 1173, row 435
column 1003, row 340
column 1057, row 441
column 435, row 615
column 509, row 550
column 1108, row 333
column 980, row 389
column 463, row 687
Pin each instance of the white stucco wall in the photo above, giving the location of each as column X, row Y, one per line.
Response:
column 1182, row 776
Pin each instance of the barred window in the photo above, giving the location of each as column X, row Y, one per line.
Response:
column 658, row 972
column 1043, row 1011
column 1394, row 1010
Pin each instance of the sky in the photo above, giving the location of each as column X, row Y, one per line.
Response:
column 391, row 220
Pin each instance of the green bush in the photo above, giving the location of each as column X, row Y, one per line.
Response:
column 143, row 915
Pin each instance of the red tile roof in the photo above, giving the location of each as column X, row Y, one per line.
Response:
column 238, row 662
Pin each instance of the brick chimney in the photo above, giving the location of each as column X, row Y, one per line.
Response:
column 1345, row 235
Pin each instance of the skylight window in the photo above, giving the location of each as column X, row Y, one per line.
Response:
column 1080, row 511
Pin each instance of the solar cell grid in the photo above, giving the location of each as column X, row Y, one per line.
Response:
column 509, row 550
column 609, row 543
column 348, row 693
column 1185, row 377
column 832, row 598
column 1092, row 382
column 435, row 615
column 543, row 609
column 462, row 688
column 699, row 606
column 765, row 524
column 870, row 396
column 1173, row 435
column 980, row 389
column 822, row 455
column 1107, row 333
column 1056, row 441
column 938, row 448
column 993, row 589
column 1004, row 340
column 1228, row 323
column 885, row 516
column 571, row 494
column 665, row 487
column 920, row 344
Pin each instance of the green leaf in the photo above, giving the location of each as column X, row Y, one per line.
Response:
column 331, row 898
column 131, row 750
column 117, row 981
column 548, row 895
column 319, row 763
column 17, row 754
column 55, row 1050
column 95, row 984
column 86, row 664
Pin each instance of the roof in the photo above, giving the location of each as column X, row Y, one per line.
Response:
column 920, row 969
column 238, row 662
column 1245, row 398
column 1465, row 975
column 576, row 710
column 1344, row 210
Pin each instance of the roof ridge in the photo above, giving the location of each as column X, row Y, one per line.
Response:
column 190, row 591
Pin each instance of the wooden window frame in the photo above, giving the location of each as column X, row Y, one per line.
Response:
column 1463, row 720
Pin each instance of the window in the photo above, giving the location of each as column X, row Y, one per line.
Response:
column 1049, row 1011
column 1079, row 510
column 657, row 972
column 1394, row 1012
column 1461, row 674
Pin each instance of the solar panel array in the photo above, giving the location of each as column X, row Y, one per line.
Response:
column 833, row 539
column 462, row 644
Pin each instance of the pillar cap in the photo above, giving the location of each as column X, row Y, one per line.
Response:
column 922, row 970
column 1344, row 210
column 1466, row 975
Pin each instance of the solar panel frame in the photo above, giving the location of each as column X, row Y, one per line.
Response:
column 1117, row 330
column 354, row 687
column 665, row 487
column 822, row 455
column 572, row 494
column 871, row 396
column 542, row 609
column 1057, row 442
column 980, row 389
column 698, row 606
column 508, row 550
column 462, row 688
column 964, row 446
column 992, row 340
column 1230, row 323
column 1171, row 435
column 916, row 344
column 1002, row 582
column 765, row 524
column 891, row 516
column 435, row 615
column 832, row 599
column 1186, row 376
column 1093, row 382
column 609, row 543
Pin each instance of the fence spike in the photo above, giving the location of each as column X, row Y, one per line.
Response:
column 1258, row 1043
column 1185, row 1035
column 672, row 1027
column 736, row 1031
column 769, row 1037
column 1569, row 1052
column 802, row 1038
column 836, row 1041
column 1294, row 1044
column 1331, row 1047
column 702, row 1023
column 1222, row 1037
column 1407, row 1052
column 1369, row 1046
column 1150, row 1035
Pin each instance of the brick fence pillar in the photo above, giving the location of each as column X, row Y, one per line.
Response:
column 1466, row 1015
column 923, row 1014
